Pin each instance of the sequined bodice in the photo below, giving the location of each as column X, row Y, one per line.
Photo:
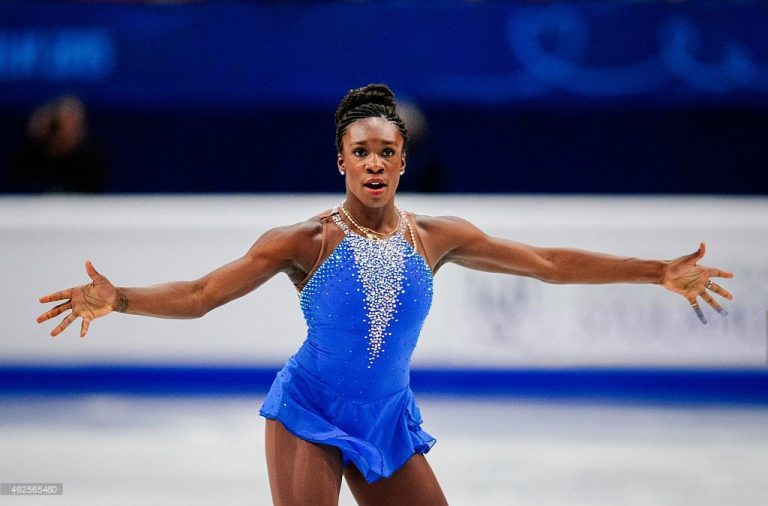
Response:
column 365, row 306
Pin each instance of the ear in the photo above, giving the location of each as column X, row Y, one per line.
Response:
column 340, row 163
column 402, row 164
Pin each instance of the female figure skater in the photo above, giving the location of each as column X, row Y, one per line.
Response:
column 342, row 404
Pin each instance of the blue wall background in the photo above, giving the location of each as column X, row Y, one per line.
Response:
column 521, row 97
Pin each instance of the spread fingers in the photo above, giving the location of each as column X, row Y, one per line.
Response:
column 54, row 312
column 717, row 273
column 53, row 297
column 715, row 305
column 64, row 324
column 698, row 311
column 722, row 292
column 84, row 327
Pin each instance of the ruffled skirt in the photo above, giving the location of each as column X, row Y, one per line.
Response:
column 377, row 436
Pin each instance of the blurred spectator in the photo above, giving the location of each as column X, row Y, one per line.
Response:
column 57, row 154
column 423, row 170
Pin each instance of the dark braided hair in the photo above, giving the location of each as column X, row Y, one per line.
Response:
column 372, row 101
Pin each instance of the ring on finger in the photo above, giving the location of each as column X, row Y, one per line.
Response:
column 710, row 284
column 699, row 312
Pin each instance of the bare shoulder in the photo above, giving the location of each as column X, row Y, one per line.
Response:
column 302, row 231
column 445, row 227
column 442, row 235
column 296, row 244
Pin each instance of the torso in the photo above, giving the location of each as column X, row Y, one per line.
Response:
column 320, row 236
column 364, row 303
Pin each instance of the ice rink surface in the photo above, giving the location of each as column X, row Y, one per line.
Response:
column 121, row 450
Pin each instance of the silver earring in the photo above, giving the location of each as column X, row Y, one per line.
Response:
column 402, row 172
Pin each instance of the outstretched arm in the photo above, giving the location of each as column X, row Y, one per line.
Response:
column 462, row 243
column 278, row 250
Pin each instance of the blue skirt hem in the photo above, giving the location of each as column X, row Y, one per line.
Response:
column 378, row 437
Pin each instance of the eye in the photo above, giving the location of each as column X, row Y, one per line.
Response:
column 359, row 152
column 388, row 153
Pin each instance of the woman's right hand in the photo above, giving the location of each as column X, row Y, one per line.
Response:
column 88, row 302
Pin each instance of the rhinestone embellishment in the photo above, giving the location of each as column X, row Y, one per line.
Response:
column 380, row 264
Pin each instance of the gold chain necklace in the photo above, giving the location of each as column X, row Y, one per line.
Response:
column 369, row 233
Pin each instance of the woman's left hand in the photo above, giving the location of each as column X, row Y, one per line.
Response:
column 692, row 281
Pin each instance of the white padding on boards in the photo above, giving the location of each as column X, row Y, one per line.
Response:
column 477, row 320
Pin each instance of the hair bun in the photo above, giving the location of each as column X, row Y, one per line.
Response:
column 371, row 94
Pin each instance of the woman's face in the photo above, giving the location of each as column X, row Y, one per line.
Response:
column 371, row 159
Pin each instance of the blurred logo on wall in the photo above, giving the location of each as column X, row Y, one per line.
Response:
column 84, row 54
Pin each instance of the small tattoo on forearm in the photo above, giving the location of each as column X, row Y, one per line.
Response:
column 122, row 302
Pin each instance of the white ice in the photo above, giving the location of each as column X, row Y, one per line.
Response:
column 117, row 450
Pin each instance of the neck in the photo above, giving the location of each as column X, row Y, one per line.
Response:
column 380, row 219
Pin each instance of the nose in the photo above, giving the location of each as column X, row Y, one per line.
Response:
column 374, row 166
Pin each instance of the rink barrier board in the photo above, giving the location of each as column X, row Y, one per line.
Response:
column 655, row 385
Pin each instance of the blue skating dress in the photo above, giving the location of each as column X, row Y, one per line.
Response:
column 348, row 385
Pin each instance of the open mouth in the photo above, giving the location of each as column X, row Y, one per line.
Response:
column 375, row 185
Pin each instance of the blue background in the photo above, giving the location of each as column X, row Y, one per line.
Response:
column 570, row 97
